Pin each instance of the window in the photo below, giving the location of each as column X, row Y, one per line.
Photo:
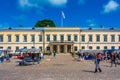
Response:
column 1, row 47
column 9, row 38
column 25, row 47
column 75, row 38
column 40, row 38
column 112, row 47
column 62, row 37
column 90, row 47
column 54, row 37
column 98, row 47
column 83, row 47
column 112, row 38
column 17, row 48
column 119, row 47
column 105, row 47
column 32, row 38
column 90, row 38
column 105, row 38
column 17, row 38
column 1, row 38
column 118, row 38
column 9, row 47
column 40, row 48
column 24, row 38
column 83, row 38
column 97, row 38
column 75, row 48
column 48, row 38
column 33, row 47
column 48, row 48
column 69, row 37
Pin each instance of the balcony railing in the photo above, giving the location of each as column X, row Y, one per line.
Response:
column 61, row 42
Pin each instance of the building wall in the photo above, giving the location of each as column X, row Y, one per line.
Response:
column 59, row 31
column 13, row 44
column 109, row 44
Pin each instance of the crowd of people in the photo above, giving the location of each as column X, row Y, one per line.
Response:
column 24, row 57
column 31, row 57
column 113, row 57
column 5, row 56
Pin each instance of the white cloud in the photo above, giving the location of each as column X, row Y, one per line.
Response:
column 92, row 25
column 58, row 2
column 24, row 3
column 91, row 22
column 41, row 3
column 111, row 6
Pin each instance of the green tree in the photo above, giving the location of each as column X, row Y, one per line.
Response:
column 45, row 23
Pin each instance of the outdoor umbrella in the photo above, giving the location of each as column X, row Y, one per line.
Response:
column 34, row 50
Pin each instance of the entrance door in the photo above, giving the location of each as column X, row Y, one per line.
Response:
column 61, row 48
column 55, row 48
column 68, row 48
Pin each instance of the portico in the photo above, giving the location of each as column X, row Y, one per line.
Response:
column 62, row 47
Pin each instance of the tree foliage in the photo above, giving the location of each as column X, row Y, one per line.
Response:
column 45, row 23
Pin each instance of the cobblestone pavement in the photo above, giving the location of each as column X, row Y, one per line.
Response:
column 63, row 67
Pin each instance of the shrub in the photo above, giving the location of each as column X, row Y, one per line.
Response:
column 47, row 53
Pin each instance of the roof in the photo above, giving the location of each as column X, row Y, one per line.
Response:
column 22, row 29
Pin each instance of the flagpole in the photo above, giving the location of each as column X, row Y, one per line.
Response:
column 61, row 20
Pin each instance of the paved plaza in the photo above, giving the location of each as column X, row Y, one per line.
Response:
column 63, row 67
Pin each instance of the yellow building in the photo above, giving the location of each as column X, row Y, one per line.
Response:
column 61, row 40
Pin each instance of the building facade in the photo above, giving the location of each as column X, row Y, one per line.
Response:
column 61, row 40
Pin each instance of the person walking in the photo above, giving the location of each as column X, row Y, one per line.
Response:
column 73, row 55
column 79, row 56
column 113, row 59
column 97, row 62
column 54, row 53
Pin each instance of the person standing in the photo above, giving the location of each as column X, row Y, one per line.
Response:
column 41, row 55
column 2, row 56
column 38, row 58
column 97, row 62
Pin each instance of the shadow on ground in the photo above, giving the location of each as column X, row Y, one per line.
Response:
column 88, row 71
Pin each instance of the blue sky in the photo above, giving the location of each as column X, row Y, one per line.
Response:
column 82, row 13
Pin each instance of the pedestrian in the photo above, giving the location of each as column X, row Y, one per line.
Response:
column 0, row 60
column 54, row 53
column 79, row 55
column 41, row 55
column 2, row 56
column 113, row 59
column 97, row 62
column 38, row 58
column 106, row 58
column 83, row 56
column 117, row 57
